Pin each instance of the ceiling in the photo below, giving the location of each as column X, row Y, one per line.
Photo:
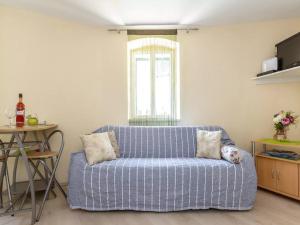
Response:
column 162, row 12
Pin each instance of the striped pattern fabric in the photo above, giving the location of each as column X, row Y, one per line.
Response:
column 160, row 142
column 158, row 181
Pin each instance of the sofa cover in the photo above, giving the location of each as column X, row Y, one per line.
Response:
column 158, row 171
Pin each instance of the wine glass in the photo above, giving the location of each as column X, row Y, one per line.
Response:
column 10, row 114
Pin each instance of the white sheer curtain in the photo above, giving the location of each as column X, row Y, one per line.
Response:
column 153, row 69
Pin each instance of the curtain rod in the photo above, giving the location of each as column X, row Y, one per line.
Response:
column 159, row 27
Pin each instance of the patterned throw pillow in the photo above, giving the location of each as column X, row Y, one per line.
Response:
column 231, row 154
column 98, row 148
column 208, row 144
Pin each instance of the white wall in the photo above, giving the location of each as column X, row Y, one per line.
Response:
column 70, row 74
column 217, row 65
column 75, row 75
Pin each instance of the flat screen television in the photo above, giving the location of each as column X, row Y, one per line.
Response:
column 288, row 52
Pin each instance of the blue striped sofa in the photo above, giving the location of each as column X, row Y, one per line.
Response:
column 158, row 171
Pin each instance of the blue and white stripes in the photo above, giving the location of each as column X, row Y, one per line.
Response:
column 160, row 142
column 156, row 172
column 163, row 185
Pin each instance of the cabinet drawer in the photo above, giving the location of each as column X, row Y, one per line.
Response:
column 287, row 177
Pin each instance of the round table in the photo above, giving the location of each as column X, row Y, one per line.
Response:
column 16, row 134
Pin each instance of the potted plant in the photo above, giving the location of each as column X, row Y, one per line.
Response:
column 282, row 121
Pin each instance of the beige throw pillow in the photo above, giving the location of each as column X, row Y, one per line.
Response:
column 209, row 144
column 98, row 148
column 114, row 142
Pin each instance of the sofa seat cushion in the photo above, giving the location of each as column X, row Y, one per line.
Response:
column 161, row 184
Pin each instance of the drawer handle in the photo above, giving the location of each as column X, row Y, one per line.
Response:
column 278, row 175
column 273, row 174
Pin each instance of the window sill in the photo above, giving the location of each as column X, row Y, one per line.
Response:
column 153, row 122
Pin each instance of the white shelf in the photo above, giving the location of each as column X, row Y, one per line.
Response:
column 283, row 76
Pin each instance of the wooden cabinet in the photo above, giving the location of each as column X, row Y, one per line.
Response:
column 287, row 177
column 278, row 175
column 266, row 170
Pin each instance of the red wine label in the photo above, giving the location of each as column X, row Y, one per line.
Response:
column 20, row 112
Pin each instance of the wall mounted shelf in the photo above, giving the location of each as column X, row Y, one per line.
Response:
column 283, row 76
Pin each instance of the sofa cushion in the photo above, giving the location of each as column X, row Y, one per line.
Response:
column 97, row 148
column 231, row 154
column 161, row 184
column 160, row 142
column 208, row 144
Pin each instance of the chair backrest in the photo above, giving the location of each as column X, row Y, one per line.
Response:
column 61, row 144
column 160, row 142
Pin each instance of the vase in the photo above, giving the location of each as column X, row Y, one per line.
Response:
column 280, row 135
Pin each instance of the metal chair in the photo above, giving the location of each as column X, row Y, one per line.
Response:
column 37, row 158
column 4, row 176
column 2, row 173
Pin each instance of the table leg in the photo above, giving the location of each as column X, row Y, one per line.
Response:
column 1, row 185
column 253, row 148
column 14, row 179
column 29, row 174
column 4, row 172
column 11, row 206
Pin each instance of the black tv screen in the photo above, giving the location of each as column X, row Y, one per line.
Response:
column 288, row 52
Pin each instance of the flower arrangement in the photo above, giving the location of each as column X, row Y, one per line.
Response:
column 282, row 121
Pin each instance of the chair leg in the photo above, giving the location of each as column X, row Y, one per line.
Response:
column 52, row 167
column 27, row 189
column 52, row 173
column 36, row 171
column 54, row 179
column 1, row 184
column 35, row 167
column 9, row 190
column 45, row 196
column 1, row 200
column 47, row 174
column 60, row 188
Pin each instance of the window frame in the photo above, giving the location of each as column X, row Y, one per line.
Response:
column 173, row 50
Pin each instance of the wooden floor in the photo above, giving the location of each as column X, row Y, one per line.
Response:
column 270, row 209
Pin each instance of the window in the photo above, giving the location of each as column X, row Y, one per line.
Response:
column 153, row 80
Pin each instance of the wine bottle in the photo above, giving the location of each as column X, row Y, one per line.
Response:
column 20, row 112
